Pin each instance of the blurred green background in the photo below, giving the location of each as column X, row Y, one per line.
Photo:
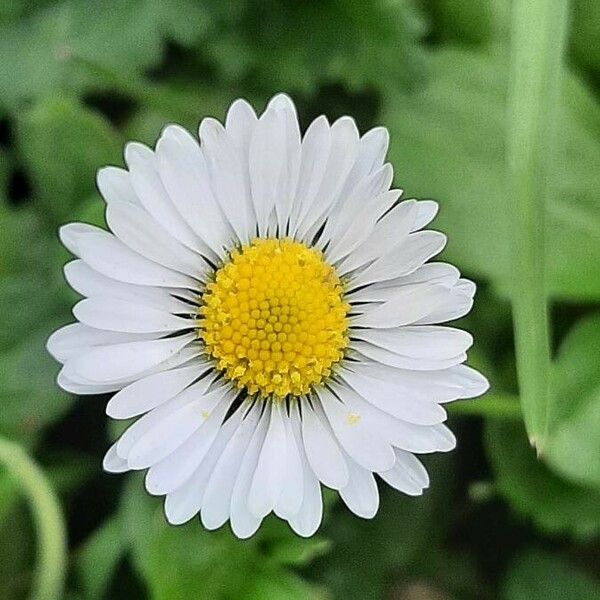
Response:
column 78, row 79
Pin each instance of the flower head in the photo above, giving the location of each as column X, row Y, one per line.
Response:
column 264, row 307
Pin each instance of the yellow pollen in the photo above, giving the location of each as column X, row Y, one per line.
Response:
column 274, row 318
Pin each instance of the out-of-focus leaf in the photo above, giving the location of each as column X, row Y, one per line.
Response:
column 469, row 21
column 178, row 563
column 405, row 530
column 29, row 396
column 27, row 302
column 537, row 575
column 63, row 144
column 99, row 557
column 363, row 44
column 585, row 28
column 533, row 490
column 40, row 49
column 574, row 439
column 299, row 551
column 448, row 143
column 17, row 548
column 24, row 244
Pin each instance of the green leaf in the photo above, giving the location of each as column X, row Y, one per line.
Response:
column 40, row 50
column 297, row 551
column 533, row 490
column 584, row 44
column 448, row 143
column 406, row 534
column 29, row 396
column 537, row 575
column 63, row 144
column 574, row 434
column 372, row 43
column 178, row 563
column 98, row 559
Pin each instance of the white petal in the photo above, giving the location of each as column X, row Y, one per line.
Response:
column 239, row 124
column 174, row 470
column 155, row 435
column 395, row 399
column 407, row 436
column 106, row 363
column 120, row 315
column 217, row 497
column 184, row 174
column 269, row 475
column 71, row 233
column 109, row 256
column 308, row 518
column 87, row 282
column 423, row 341
column 364, row 445
column 458, row 303
column 342, row 154
column 389, row 232
column 398, row 361
column 404, row 259
column 148, row 393
column 287, row 145
column 153, row 196
column 426, row 212
column 113, row 463
column 407, row 475
column 360, row 202
column 73, row 339
column 182, row 504
column 243, row 522
column 115, row 185
column 136, row 229
column 409, row 304
column 313, row 164
column 361, row 495
column 322, row 450
column 290, row 499
column 227, row 176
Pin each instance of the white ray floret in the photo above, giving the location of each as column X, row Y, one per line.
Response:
column 263, row 307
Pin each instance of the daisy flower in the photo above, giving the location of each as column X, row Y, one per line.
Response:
column 264, row 309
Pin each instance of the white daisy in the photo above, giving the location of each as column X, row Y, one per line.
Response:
column 264, row 308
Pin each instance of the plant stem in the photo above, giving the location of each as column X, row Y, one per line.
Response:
column 52, row 546
column 539, row 30
column 498, row 406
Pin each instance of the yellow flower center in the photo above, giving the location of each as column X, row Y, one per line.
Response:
column 274, row 318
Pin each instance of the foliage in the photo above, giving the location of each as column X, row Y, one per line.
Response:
column 78, row 79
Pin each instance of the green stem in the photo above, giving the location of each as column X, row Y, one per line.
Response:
column 52, row 545
column 498, row 406
column 539, row 30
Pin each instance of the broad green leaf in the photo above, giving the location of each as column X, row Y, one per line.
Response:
column 24, row 244
column 362, row 44
column 297, row 551
column 538, row 575
column 405, row 534
column 27, row 302
column 29, row 396
column 63, row 144
column 533, row 490
column 99, row 557
column 574, row 434
column 461, row 21
column 586, row 28
column 178, row 563
column 448, row 143
column 43, row 50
